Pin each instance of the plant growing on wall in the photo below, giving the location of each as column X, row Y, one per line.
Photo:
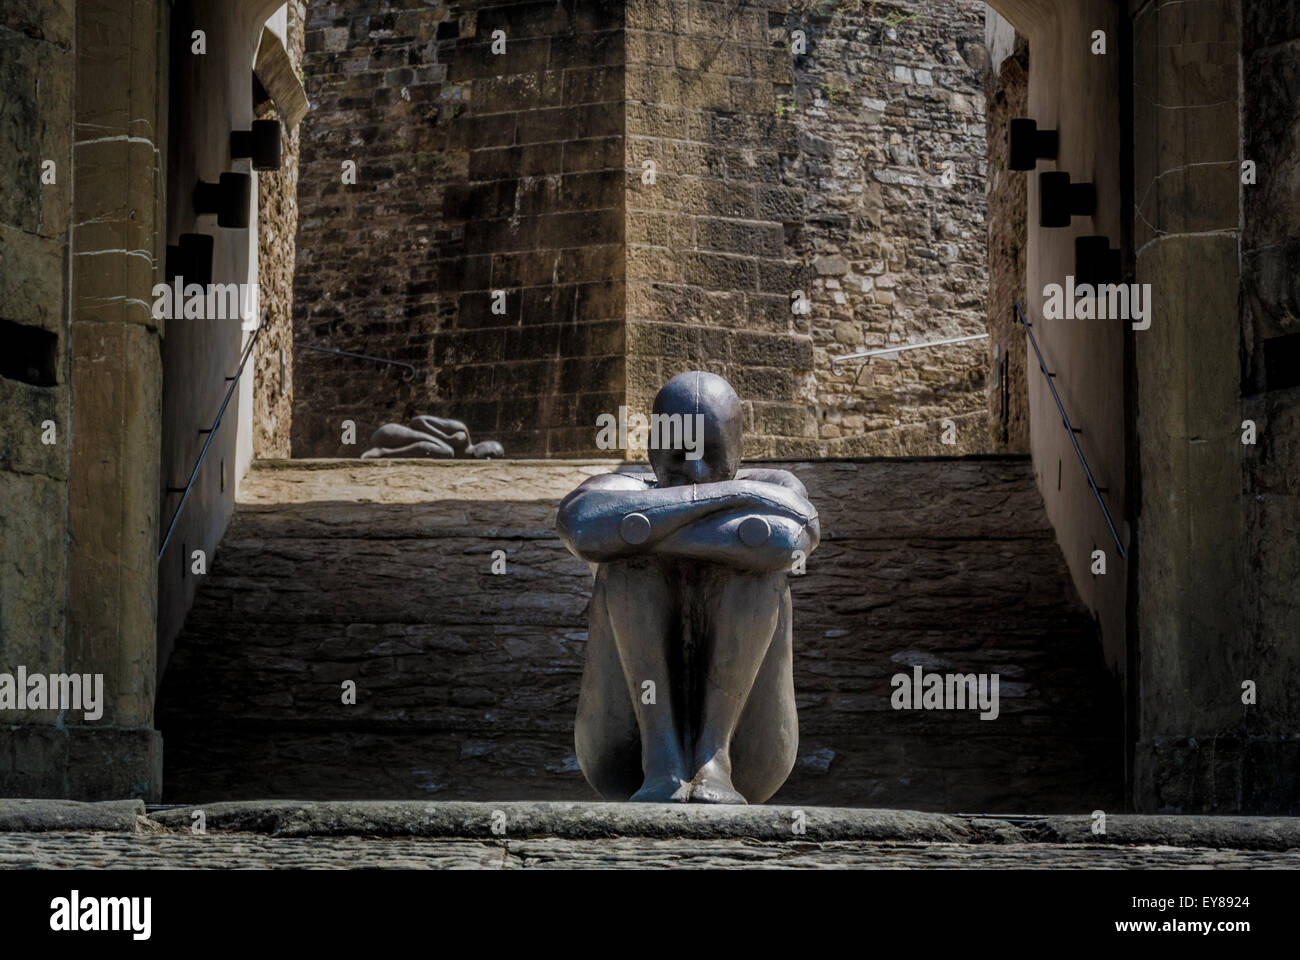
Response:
column 831, row 93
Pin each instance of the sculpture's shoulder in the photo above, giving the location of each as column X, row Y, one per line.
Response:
column 617, row 481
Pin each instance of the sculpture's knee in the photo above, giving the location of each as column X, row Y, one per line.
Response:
column 751, row 603
column 631, row 584
column 394, row 435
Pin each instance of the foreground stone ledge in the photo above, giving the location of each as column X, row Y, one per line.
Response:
column 1239, row 833
column 607, row 821
column 35, row 816
column 387, row 818
column 581, row 820
column 182, row 850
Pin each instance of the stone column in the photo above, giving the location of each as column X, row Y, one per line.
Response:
column 116, row 377
column 1189, row 530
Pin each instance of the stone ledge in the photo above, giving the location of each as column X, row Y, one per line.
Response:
column 576, row 820
column 581, row 820
column 35, row 816
column 1238, row 833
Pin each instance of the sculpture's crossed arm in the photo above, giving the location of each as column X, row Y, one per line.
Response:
column 747, row 523
column 762, row 541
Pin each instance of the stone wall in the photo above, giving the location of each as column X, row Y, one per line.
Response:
column 277, row 222
column 1006, row 89
column 364, row 279
column 526, row 172
column 1265, row 764
column 710, row 275
column 503, row 174
column 37, row 82
column 890, row 165
column 1220, row 518
column 538, row 223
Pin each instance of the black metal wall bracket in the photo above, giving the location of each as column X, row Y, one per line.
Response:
column 191, row 258
column 1059, row 200
column 1095, row 262
column 229, row 199
column 261, row 144
column 1027, row 144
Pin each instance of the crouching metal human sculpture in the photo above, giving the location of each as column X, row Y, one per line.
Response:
column 432, row 437
column 688, row 691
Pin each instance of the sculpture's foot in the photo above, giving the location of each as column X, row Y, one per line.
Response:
column 663, row 789
column 713, row 785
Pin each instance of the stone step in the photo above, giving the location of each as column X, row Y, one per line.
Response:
column 913, row 773
column 991, row 585
column 379, row 572
column 431, row 677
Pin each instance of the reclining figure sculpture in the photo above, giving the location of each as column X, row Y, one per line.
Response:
column 688, row 692
column 432, row 437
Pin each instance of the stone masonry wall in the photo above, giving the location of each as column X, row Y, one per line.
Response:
column 1007, row 95
column 539, row 222
column 82, row 130
column 889, row 111
column 709, row 272
column 277, row 219
column 365, row 279
column 526, row 172
column 1266, row 771
column 37, row 81
column 476, row 172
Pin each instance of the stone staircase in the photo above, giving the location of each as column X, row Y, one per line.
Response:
column 379, row 572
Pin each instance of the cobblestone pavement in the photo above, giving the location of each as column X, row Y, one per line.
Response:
column 97, row 850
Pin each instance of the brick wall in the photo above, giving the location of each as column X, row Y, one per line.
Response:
column 366, row 260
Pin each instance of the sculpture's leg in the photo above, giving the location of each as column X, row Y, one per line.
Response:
column 766, row 743
column 744, row 617
column 605, row 733
column 393, row 435
column 643, row 615
column 429, row 449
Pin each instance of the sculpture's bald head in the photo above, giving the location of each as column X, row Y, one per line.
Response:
column 720, row 445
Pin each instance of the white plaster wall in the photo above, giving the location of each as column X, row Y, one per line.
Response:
column 212, row 95
column 1076, row 92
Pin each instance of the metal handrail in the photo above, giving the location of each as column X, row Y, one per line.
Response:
column 1069, row 429
column 362, row 356
column 211, row 432
column 864, row 354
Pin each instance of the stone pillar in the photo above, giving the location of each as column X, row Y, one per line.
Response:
column 117, row 255
column 1189, row 530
